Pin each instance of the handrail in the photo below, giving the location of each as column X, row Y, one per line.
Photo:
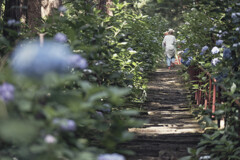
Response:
column 211, row 95
column 221, row 86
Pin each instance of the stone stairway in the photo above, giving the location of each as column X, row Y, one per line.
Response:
column 170, row 127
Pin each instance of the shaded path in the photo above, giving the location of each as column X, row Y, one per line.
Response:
column 171, row 128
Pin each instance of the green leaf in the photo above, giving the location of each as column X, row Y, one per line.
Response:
column 186, row 158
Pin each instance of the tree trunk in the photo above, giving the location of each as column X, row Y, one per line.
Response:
column 105, row 6
column 34, row 14
column 49, row 5
column 12, row 12
column 1, row 2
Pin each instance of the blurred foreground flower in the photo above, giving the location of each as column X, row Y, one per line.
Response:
column 32, row 59
column 60, row 37
column 113, row 156
column 78, row 61
column 7, row 92
column 50, row 139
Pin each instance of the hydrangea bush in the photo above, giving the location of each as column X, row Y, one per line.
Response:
column 67, row 97
column 213, row 25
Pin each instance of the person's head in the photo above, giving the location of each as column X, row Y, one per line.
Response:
column 170, row 31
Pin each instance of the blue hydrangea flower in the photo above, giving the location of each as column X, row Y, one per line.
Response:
column 31, row 59
column 11, row 22
column 215, row 50
column 130, row 49
column 114, row 156
column 226, row 53
column 78, row 61
column 237, row 29
column 219, row 42
column 234, row 15
column 7, row 92
column 215, row 61
column 62, row 9
column 204, row 49
column 201, row 53
column 68, row 125
column 65, row 124
column 186, row 50
column 183, row 41
column 229, row 9
column 225, row 33
column 60, row 37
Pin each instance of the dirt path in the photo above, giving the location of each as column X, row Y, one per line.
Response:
column 171, row 128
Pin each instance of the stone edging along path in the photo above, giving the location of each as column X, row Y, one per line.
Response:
column 170, row 127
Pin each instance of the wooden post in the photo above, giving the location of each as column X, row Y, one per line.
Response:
column 214, row 99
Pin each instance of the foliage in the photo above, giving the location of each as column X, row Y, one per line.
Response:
column 211, row 36
column 82, row 113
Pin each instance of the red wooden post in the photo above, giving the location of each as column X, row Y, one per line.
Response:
column 214, row 99
column 210, row 90
column 205, row 100
column 200, row 96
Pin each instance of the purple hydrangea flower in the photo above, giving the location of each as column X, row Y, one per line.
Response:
column 78, row 61
column 215, row 61
column 60, row 37
column 204, row 49
column 7, row 92
column 226, row 53
column 229, row 9
column 65, row 124
column 68, row 125
column 62, row 9
column 11, row 22
column 219, row 42
column 215, row 50
column 100, row 114
column 32, row 59
column 234, row 15
column 114, row 156
column 186, row 50
column 201, row 53
column 183, row 41
column 130, row 49
column 224, row 33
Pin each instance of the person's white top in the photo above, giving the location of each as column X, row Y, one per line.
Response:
column 169, row 40
column 169, row 43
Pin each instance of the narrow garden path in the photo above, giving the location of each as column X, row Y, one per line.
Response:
column 170, row 128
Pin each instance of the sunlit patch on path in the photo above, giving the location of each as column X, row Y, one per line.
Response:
column 170, row 128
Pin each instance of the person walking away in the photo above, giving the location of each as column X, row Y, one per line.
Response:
column 169, row 44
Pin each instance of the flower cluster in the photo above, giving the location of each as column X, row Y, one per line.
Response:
column 32, row 59
column 113, row 156
column 60, row 37
column 65, row 124
column 7, row 92
column 12, row 22
column 215, row 61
